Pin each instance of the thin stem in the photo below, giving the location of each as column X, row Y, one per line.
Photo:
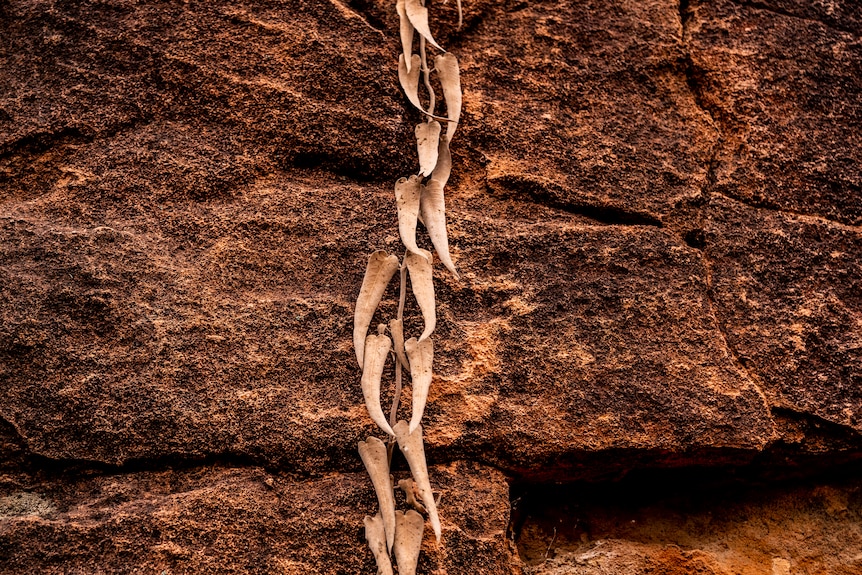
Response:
column 460, row 15
column 402, row 298
column 426, row 74
column 395, row 400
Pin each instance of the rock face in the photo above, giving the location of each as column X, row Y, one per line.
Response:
column 655, row 210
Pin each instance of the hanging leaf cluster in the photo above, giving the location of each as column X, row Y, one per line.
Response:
column 419, row 199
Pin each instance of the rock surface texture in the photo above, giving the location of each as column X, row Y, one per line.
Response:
column 656, row 211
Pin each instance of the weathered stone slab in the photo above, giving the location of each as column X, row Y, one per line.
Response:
column 788, row 291
column 586, row 108
column 786, row 89
column 277, row 79
column 223, row 327
column 218, row 519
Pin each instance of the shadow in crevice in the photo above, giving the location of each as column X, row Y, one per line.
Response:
column 697, row 519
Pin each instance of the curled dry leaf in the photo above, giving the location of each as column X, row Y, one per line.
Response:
column 396, row 328
column 418, row 15
column 427, row 142
column 419, row 266
column 421, row 354
column 376, row 351
column 450, row 78
column 408, row 76
column 444, row 163
column 406, row 30
column 407, row 194
column 376, row 459
column 381, row 268
column 409, row 489
column 432, row 207
column 408, row 540
column 414, row 452
column 375, row 535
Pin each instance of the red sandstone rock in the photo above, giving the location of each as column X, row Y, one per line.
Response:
column 654, row 209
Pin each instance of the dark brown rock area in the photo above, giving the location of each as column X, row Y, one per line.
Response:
column 655, row 210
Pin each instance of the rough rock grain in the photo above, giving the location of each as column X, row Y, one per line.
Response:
column 655, row 210
column 222, row 519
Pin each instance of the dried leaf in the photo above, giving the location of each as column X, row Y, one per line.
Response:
column 419, row 266
column 432, row 207
column 444, row 164
column 418, row 15
column 381, row 268
column 427, row 142
column 377, row 349
column 450, row 78
column 375, row 535
column 406, row 29
column 421, row 354
column 376, row 459
column 414, row 452
column 408, row 75
column 407, row 195
column 408, row 541
column 396, row 328
column 408, row 486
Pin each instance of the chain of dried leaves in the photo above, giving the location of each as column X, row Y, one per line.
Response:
column 389, row 531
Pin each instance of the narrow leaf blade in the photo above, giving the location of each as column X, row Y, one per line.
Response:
column 450, row 78
column 413, row 449
column 408, row 541
column 396, row 328
column 381, row 268
column 406, row 31
column 443, row 169
column 376, row 460
column 376, row 350
column 407, row 194
column 421, row 354
column 408, row 76
column 375, row 535
column 422, row 282
column 418, row 15
column 432, row 207
column 427, row 143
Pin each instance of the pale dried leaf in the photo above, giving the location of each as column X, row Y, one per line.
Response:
column 427, row 142
column 450, row 78
column 414, row 452
column 406, row 31
column 432, row 207
column 408, row 76
column 407, row 195
column 422, row 282
column 408, row 540
column 377, row 349
column 408, row 486
column 376, row 459
column 381, row 268
column 444, row 164
column 396, row 328
column 421, row 355
column 418, row 15
column 375, row 535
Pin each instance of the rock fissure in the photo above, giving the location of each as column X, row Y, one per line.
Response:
column 805, row 217
column 719, row 328
column 547, row 194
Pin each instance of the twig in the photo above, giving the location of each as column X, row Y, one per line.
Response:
column 426, row 75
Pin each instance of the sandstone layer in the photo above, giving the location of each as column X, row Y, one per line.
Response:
column 655, row 210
